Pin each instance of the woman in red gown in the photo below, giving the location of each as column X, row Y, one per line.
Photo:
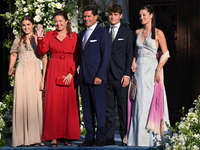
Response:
column 61, row 119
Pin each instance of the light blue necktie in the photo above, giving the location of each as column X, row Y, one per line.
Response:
column 86, row 38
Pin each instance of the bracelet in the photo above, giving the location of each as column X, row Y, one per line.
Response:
column 40, row 37
column 42, row 80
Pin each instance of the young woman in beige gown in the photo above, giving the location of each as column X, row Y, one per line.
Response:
column 29, row 83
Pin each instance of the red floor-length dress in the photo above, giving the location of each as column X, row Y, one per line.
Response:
column 61, row 119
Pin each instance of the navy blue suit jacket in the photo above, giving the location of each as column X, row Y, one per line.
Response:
column 122, row 53
column 95, row 58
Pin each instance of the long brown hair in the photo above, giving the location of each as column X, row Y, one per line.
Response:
column 150, row 9
column 64, row 14
column 22, row 34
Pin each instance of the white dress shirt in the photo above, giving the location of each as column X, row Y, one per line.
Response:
column 115, row 29
column 90, row 31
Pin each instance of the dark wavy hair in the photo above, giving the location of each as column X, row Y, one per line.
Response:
column 22, row 34
column 115, row 8
column 150, row 9
column 64, row 14
column 92, row 8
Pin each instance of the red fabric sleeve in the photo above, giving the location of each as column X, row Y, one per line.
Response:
column 43, row 44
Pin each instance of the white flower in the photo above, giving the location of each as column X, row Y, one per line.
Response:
column 195, row 147
column 30, row 7
column 49, row 5
column 14, row 23
column 25, row 9
column 81, row 21
column 8, row 15
column 38, row 11
column 23, row 2
column 99, row 11
column 37, row 18
column 15, row 32
column 41, row 1
column 69, row 17
column 58, row 6
column 106, row 14
column 53, row 4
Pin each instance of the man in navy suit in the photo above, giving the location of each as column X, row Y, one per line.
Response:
column 95, row 50
column 119, row 74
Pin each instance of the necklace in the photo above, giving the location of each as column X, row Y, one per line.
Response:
column 145, row 34
column 62, row 33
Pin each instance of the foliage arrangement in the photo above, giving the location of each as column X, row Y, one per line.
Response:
column 186, row 135
column 41, row 10
column 6, row 115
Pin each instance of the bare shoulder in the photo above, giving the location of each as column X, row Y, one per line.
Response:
column 159, row 33
column 137, row 31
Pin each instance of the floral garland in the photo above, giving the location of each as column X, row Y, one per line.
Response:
column 41, row 10
column 186, row 135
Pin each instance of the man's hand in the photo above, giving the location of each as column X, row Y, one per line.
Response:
column 125, row 80
column 97, row 81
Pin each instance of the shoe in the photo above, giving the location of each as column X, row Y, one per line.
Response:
column 42, row 144
column 123, row 144
column 67, row 143
column 54, row 145
column 109, row 141
column 98, row 143
column 86, row 143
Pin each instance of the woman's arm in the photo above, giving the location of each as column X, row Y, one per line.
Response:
column 133, row 66
column 43, row 43
column 13, row 58
column 44, row 64
column 163, row 45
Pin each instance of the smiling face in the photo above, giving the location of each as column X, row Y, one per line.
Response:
column 89, row 18
column 27, row 27
column 60, row 23
column 114, row 18
column 145, row 17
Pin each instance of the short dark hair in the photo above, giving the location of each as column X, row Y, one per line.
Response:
column 92, row 8
column 115, row 8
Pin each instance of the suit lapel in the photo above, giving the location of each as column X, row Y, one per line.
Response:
column 118, row 34
column 81, row 39
column 93, row 33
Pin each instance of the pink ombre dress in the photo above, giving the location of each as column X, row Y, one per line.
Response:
column 146, row 63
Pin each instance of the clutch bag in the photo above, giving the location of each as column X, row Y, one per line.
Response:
column 59, row 82
column 133, row 88
column 11, row 71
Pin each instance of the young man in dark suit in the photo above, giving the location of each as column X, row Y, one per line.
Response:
column 95, row 54
column 119, row 74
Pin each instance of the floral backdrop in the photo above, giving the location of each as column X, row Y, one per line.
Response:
column 42, row 11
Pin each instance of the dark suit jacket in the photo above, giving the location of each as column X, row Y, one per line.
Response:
column 122, row 53
column 95, row 58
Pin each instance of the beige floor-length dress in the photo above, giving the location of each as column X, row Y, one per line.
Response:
column 27, row 101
